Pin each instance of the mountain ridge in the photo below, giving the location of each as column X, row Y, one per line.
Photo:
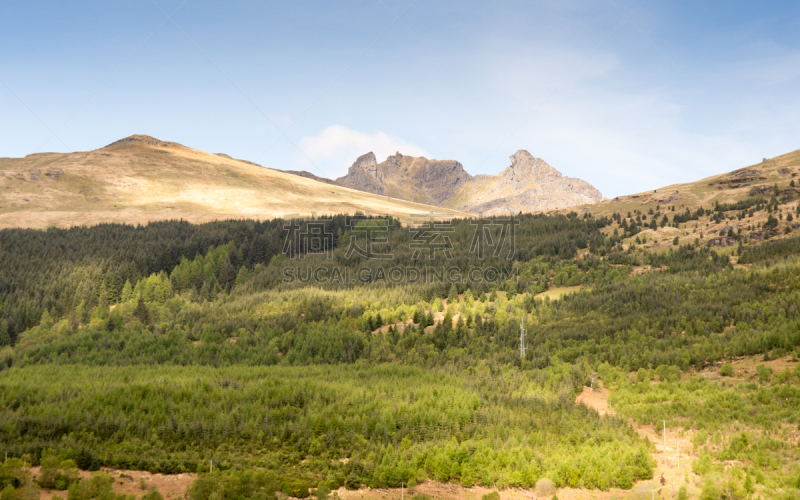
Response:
column 139, row 179
column 529, row 185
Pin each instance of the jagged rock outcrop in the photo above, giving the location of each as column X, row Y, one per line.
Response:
column 364, row 175
column 406, row 177
column 528, row 185
column 422, row 180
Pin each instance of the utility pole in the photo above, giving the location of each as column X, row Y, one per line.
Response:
column 665, row 433
column 211, row 466
column 522, row 338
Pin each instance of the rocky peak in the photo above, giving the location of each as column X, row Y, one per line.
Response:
column 364, row 175
column 528, row 185
column 423, row 180
column 369, row 165
column 526, row 168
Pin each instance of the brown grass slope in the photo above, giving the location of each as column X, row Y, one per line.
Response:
column 140, row 179
column 729, row 187
column 757, row 180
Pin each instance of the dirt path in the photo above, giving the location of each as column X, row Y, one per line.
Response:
column 673, row 457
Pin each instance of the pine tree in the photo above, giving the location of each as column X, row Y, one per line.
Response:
column 142, row 313
column 452, row 295
column 5, row 338
column 127, row 292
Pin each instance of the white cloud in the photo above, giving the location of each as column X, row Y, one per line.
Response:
column 336, row 148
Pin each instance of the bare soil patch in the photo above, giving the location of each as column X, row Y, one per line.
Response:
column 128, row 481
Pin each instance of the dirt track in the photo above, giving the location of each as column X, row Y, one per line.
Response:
column 673, row 459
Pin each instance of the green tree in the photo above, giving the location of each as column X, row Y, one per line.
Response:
column 141, row 312
column 127, row 292
column 5, row 338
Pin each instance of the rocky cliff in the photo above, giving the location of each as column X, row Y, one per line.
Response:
column 528, row 185
column 364, row 175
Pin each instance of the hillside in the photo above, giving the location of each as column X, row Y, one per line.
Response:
column 164, row 347
column 528, row 185
column 140, row 179
column 723, row 210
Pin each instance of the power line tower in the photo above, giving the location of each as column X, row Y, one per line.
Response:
column 522, row 332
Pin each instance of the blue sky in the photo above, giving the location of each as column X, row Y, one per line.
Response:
column 628, row 95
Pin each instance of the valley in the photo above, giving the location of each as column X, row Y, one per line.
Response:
column 168, row 347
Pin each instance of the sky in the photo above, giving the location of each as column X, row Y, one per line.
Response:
column 630, row 95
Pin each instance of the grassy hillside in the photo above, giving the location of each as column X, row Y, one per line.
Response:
column 141, row 179
column 775, row 182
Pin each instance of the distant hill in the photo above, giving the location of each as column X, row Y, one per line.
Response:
column 528, row 185
column 140, row 179
column 758, row 179
column 730, row 202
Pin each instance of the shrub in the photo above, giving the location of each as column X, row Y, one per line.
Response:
column 322, row 492
column 726, row 370
column 293, row 488
column 764, row 374
column 153, row 494
column 544, row 487
column 491, row 496
column 709, row 491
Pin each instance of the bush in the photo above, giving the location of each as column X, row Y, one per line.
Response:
column 322, row 492
column 726, row 370
column 294, row 488
column 764, row 374
column 491, row 496
column 153, row 494
column 709, row 491
column 544, row 487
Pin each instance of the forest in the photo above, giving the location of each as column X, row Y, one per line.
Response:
column 167, row 346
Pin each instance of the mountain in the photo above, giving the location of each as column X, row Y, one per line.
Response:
column 528, row 185
column 406, row 177
column 139, row 179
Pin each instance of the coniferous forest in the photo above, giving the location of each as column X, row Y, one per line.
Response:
column 168, row 346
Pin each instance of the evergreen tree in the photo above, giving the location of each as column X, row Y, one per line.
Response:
column 5, row 338
column 452, row 295
column 142, row 313
column 127, row 292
